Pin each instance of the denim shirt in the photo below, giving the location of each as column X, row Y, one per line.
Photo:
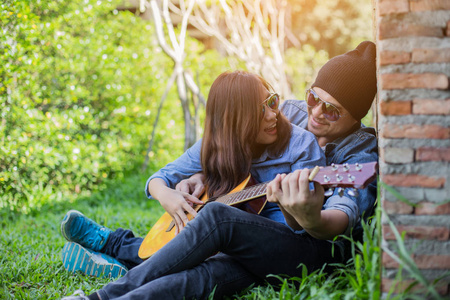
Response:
column 359, row 146
column 303, row 151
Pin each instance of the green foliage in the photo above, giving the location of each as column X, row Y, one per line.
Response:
column 80, row 86
column 31, row 244
column 76, row 97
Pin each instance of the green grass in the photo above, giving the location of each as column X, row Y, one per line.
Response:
column 30, row 245
column 31, row 267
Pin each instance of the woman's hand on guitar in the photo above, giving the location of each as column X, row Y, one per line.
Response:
column 177, row 204
column 193, row 185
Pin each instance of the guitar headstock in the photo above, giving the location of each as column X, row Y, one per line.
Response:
column 346, row 175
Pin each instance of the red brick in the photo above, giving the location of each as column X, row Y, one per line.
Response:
column 397, row 207
column 395, row 286
column 396, row 108
column 387, row 7
column 389, row 262
column 432, row 154
column 427, row 5
column 432, row 261
column 429, row 208
column 422, row 261
column 414, row 131
column 392, row 81
column 399, row 287
column 389, row 30
column 417, row 232
column 431, row 107
column 431, row 55
column 394, row 57
column 411, row 180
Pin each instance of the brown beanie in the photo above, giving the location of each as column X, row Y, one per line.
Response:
column 351, row 79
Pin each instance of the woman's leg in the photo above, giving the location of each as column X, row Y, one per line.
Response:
column 259, row 245
column 120, row 244
column 124, row 246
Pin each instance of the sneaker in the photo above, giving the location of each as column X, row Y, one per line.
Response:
column 75, row 227
column 77, row 295
column 78, row 258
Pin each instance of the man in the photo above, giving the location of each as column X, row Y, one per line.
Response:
column 337, row 101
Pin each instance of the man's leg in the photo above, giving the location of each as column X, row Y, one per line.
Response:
column 220, row 274
column 259, row 245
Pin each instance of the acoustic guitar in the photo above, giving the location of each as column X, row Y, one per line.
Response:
column 250, row 197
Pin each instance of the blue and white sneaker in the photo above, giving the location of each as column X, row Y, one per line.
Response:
column 78, row 258
column 77, row 295
column 75, row 227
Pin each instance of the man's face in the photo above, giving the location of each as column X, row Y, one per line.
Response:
column 325, row 130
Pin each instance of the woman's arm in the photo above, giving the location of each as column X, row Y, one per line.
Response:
column 193, row 185
column 176, row 203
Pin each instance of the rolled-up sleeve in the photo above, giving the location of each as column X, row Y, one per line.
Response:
column 346, row 205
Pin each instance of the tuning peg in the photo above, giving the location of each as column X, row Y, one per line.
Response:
column 329, row 192
column 346, row 167
column 353, row 192
column 340, row 192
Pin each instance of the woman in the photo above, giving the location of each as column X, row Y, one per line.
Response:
column 244, row 133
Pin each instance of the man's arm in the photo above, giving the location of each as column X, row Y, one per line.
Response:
column 303, row 208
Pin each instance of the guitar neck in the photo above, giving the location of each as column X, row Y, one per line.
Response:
column 347, row 176
column 249, row 193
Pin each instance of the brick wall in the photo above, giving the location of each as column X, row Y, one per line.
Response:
column 413, row 40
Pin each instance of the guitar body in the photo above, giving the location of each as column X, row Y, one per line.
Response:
column 164, row 229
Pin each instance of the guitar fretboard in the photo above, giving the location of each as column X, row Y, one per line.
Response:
column 251, row 192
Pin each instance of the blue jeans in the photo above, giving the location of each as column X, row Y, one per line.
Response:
column 251, row 247
column 124, row 246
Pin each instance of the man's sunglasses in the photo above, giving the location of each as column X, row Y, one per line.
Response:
column 330, row 112
column 272, row 102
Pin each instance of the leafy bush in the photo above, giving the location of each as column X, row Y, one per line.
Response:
column 80, row 85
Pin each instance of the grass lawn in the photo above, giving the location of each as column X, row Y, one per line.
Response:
column 31, row 267
column 31, row 244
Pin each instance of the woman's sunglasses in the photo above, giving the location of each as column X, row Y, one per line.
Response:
column 272, row 102
column 330, row 112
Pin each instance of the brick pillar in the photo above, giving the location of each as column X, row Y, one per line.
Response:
column 413, row 40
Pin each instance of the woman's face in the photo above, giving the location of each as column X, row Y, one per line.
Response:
column 268, row 127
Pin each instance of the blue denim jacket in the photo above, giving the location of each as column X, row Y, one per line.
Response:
column 303, row 151
column 358, row 147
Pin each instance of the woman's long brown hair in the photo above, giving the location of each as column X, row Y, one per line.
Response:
column 233, row 117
